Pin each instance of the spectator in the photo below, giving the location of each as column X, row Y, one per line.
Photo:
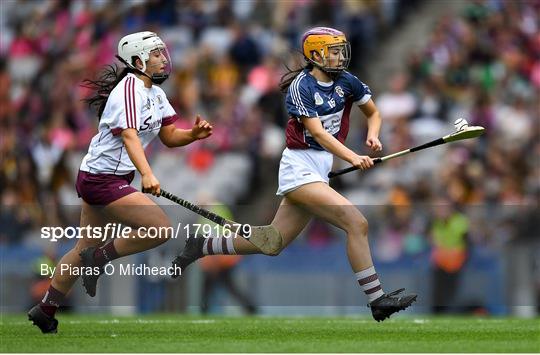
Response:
column 449, row 237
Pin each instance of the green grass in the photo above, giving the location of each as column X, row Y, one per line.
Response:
column 178, row 333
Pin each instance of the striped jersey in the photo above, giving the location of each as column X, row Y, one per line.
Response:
column 330, row 102
column 130, row 105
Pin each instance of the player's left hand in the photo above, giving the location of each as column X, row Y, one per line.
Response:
column 201, row 129
column 374, row 143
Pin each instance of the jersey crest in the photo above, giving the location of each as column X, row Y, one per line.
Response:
column 318, row 99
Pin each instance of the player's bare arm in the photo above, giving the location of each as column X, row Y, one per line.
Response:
column 176, row 137
column 330, row 143
column 374, row 125
column 135, row 151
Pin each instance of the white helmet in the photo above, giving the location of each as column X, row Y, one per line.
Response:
column 140, row 45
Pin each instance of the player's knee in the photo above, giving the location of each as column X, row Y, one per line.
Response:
column 158, row 224
column 274, row 242
column 275, row 252
column 358, row 226
column 363, row 226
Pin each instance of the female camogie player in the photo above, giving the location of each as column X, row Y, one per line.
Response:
column 132, row 112
column 319, row 100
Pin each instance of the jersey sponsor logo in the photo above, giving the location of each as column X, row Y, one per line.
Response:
column 332, row 123
column 147, row 125
column 318, row 99
column 122, row 187
column 339, row 91
column 147, row 106
column 159, row 99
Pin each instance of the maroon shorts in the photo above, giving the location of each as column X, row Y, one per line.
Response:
column 102, row 189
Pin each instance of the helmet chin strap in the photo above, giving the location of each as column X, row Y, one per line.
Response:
column 155, row 78
column 159, row 78
column 332, row 74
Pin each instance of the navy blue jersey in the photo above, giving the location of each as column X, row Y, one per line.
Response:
column 329, row 102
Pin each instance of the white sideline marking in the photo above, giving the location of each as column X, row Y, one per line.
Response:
column 420, row 321
column 112, row 321
column 129, row 321
column 198, row 321
column 349, row 321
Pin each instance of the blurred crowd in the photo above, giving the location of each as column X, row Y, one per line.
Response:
column 482, row 64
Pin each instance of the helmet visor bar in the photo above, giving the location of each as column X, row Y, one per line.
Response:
column 338, row 57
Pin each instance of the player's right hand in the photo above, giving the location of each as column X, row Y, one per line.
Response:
column 362, row 162
column 150, row 184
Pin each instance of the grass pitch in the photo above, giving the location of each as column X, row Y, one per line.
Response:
column 186, row 334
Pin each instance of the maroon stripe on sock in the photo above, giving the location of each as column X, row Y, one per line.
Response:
column 209, row 244
column 224, row 245
column 368, row 279
column 372, row 290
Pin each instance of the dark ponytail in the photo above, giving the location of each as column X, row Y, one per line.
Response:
column 288, row 77
column 103, row 86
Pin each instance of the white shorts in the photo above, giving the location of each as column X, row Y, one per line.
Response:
column 302, row 166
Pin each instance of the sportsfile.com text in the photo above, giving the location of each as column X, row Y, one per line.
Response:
column 117, row 230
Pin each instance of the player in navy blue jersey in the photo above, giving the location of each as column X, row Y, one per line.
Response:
column 319, row 101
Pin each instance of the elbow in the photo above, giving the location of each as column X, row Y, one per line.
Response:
column 167, row 141
column 168, row 144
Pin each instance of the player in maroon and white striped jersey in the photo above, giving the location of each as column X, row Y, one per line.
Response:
column 133, row 110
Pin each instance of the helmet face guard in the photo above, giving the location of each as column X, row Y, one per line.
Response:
column 343, row 60
column 143, row 45
column 324, row 40
column 165, row 62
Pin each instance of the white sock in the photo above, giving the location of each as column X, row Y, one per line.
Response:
column 369, row 281
column 219, row 246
